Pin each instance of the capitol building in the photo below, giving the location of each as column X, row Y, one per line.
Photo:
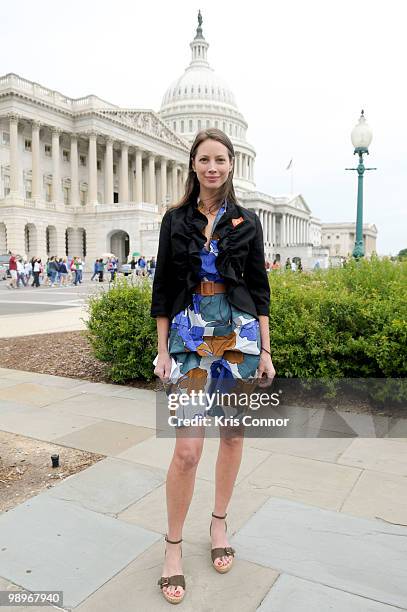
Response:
column 81, row 177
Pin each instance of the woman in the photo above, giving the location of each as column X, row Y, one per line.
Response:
column 211, row 284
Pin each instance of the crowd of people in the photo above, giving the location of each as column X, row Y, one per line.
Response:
column 55, row 272
column 294, row 265
column 64, row 271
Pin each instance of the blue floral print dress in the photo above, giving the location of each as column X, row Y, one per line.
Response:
column 211, row 341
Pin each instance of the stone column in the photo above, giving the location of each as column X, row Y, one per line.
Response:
column 151, row 179
column 14, row 158
column 139, row 176
column 270, row 224
column 74, row 171
column 35, row 147
column 185, row 173
column 109, row 171
column 124, row 174
column 174, row 180
column 92, row 180
column 56, row 177
column 180, row 190
column 283, row 238
column 163, row 177
column 274, row 229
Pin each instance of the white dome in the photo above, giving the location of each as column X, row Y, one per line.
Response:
column 199, row 82
column 200, row 99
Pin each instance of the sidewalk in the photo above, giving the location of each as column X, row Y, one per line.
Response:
column 318, row 524
column 66, row 319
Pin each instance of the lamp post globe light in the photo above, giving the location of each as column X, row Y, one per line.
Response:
column 361, row 137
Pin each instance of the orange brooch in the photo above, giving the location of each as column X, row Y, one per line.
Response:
column 237, row 221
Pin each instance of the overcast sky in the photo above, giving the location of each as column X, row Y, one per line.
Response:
column 300, row 71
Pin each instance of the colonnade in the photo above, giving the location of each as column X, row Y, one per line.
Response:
column 284, row 229
column 143, row 175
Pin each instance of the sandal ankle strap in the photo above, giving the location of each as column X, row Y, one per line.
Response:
column 172, row 541
column 219, row 517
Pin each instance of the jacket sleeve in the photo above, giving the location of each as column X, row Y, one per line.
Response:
column 160, row 306
column 255, row 275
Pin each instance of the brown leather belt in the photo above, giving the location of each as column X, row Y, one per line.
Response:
column 210, row 288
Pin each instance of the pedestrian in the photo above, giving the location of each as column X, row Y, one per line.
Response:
column 299, row 267
column 210, row 279
column 95, row 269
column 287, row 264
column 28, row 271
column 275, row 266
column 36, row 273
column 12, row 266
column 142, row 266
column 152, row 268
column 80, row 269
column 52, row 270
column 293, row 266
column 63, row 272
column 20, row 273
column 101, row 270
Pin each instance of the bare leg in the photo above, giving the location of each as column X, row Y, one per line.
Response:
column 227, row 468
column 179, row 488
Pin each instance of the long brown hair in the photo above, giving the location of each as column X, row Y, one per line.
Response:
column 192, row 186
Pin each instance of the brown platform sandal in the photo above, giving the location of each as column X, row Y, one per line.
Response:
column 176, row 580
column 221, row 552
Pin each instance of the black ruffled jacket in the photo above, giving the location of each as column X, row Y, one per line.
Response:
column 240, row 260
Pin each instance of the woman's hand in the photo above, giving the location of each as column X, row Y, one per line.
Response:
column 265, row 371
column 163, row 367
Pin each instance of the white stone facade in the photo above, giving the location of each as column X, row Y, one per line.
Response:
column 339, row 238
column 82, row 177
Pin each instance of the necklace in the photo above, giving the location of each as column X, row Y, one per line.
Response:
column 206, row 212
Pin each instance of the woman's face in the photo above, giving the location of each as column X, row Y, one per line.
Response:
column 212, row 164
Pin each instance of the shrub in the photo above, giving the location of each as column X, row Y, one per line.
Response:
column 121, row 331
column 341, row 322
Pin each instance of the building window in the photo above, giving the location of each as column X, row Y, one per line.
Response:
column 6, row 138
column 199, row 124
column 48, row 150
column 82, row 160
column 98, row 164
column 174, row 125
column 66, row 155
column 207, row 123
column 114, row 168
column 27, row 144
column 6, row 185
column 28, row 189
column 337, row 237
column 224, row 126
column 182, row 127
column 83, row 198
column 48, row 192
column 190, row 125
column 329, row 237
column 67, row 199
column 216, row 124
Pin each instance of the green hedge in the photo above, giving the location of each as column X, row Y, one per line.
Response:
column 342, row 322
column 121, row 331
